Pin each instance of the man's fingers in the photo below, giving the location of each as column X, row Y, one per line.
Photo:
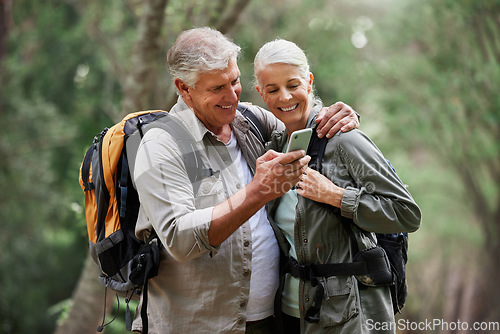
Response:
column 345, row 124
column 327, row 113
column 345, row 119
column 337, row 111
column 300, row 165
column 269, row 155
column 290, row 157
column 354, row 124
column 293, row 169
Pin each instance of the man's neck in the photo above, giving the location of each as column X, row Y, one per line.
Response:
column 223, row 133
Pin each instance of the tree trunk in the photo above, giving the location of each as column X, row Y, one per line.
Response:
column 232, row 16
column 483, row 305
column 87, row 310
column 5, row 22
column 146, row 59
column 88, row 300
column 472, row 292
column 88, row 303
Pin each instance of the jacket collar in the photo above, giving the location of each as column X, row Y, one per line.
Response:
column 312, row 116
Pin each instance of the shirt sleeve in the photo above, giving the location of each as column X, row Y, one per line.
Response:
column 377, row 201
column 167, row 198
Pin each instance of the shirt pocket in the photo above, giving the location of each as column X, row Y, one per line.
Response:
column 340, row 301
column 210, row 193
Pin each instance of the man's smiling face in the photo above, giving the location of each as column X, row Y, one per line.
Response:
column 215, row 96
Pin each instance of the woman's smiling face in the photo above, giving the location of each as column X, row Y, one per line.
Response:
column 286, row 94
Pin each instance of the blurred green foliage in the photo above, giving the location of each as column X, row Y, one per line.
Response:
column 424, row 76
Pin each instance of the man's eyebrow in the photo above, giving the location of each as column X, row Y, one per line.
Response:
column 217, row 86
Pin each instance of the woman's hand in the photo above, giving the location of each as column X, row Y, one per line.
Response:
column 317, row 187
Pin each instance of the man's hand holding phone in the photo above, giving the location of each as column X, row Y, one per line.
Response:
column 277, row 173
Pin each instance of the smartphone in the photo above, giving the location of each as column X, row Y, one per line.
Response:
column 299, row 140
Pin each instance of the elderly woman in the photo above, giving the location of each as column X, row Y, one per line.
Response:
column 356, row 184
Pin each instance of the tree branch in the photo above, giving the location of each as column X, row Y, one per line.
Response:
column 232, row 16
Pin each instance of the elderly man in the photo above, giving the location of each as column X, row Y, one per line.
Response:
column 219, row 260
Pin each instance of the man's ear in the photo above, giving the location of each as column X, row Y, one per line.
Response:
column 182, row 88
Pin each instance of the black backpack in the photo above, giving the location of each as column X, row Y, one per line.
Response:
column 395, row 245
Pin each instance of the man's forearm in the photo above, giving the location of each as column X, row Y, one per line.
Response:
column 275, row 175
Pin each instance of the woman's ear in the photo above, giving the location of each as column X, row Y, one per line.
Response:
column 311, row 79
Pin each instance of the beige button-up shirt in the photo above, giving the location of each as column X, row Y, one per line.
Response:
column 199, row 288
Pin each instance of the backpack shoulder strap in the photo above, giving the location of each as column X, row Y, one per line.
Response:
column 85, row 170
column 191, row 155
column 316, row 151
column 256, row 125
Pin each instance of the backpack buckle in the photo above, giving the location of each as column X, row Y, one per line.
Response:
column 299, row 270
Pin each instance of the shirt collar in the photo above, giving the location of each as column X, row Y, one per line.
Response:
column 312, row 116
column 186, row 115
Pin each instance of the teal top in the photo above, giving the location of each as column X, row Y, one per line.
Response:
column 285, row 219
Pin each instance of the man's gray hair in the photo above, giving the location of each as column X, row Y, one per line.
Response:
column 198, row 51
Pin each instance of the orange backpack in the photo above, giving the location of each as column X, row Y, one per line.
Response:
column 111, row 210
column 112, row 203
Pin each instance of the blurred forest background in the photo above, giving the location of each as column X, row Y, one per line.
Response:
column 424, row 75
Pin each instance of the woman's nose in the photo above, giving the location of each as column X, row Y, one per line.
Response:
column 285, row 95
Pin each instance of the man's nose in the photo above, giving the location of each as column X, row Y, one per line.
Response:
column 233, row 93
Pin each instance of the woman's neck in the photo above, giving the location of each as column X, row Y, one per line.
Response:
column 299, row 125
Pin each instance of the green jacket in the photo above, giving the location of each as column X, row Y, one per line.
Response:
column 377, row 201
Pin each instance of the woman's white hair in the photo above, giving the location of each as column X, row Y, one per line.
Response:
column 284, row 52
column 198, row 51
